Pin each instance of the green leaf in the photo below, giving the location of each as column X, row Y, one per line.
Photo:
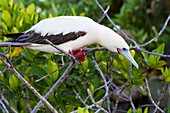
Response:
column 6, row 17
column 11, row 2
column 73, row 11
column 139, row 82
column 14, row 30
column 50, row 16
column 91, row 88
column 36, row 19
column 38, row 70
column 159, row 50
column 98, row 54
column 85, row 65
column 128, row 87
column 4, row 26
column 27, row 19
column 4, row 3
column 146, row 110
column 169, row 109
column 160, row 64
column 51, row 66
column 85, row 110
column 71, row 100
column 21, row 21
column 139, row 110
column 166, row 74
column 30, row 9
column 13, row 82
column 130, row 110
column 80, row 110
column 123, row 63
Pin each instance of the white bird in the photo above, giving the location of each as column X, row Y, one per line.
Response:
column 71, row 33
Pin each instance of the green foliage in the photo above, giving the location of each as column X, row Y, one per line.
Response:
column 154, row 61
column 166, row 74
column 20, row 15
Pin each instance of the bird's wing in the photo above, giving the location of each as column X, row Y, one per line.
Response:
column 57, row 30
column 33, row 37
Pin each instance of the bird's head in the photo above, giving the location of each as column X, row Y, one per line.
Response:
column 123, row 49
column 114, row 42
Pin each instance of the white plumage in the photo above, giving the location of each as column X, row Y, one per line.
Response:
column 72, row 33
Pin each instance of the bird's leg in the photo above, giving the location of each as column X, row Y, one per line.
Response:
column 81, row 56
column 62, row 58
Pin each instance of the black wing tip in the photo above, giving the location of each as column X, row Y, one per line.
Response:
column 12, row 35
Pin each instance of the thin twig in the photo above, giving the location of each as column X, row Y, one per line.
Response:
column 131, row 101
column 114, row 24
column 55, row 86
column 137, row 47
column 13, row 44
column 104, row 14
column 52, row 72
column 101, row 74
column 99, row 88
column 150, row 97
column 95, row 102
column 15, row 61
column 9, row 48
column 21, row 56
column 160, row 32
column 10, row 66
column 27, row 105
column 162, row 94
column 4, row 107
column 62, row 51
column 152, row 53
column 80, row 98
column 8, row 104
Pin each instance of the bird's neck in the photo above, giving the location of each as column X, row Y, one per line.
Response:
column 106, row 37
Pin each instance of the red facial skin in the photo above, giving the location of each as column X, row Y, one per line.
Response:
column 76, row 53
column 120, row 51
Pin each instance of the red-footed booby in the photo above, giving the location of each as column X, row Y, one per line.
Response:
column 71, row 33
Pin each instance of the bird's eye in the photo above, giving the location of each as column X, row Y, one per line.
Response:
column 124, row 49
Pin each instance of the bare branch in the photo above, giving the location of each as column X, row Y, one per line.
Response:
column 152, row 53
column 10, row 66
column 55, row 86
column 131, row 101
column 104, row 14
column 150, row 97
column 21, row 56
column 95, row 102
column 4, row 107
column 7, row 103
column 160, row 32
column 82, row 100
column 13, row 44
column 162, row 94
column 27, row 105
column 52, row 72
column 114, row 24
column 138, row 47
column 9, row 48
column 62, row 51
column 101, row 74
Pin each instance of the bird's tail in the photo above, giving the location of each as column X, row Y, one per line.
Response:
column 13, row 35
column 12, row 42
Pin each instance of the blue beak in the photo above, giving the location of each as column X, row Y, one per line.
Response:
column 130, row 58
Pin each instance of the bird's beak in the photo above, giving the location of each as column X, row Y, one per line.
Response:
column 129, row 57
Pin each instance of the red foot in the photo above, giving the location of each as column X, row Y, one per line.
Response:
column 76, row 53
